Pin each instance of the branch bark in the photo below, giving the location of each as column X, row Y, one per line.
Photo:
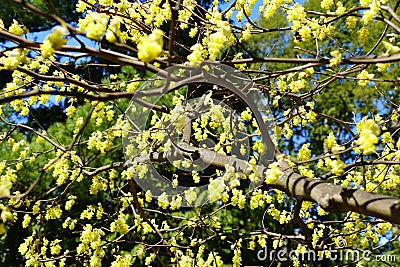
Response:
column 329, row 196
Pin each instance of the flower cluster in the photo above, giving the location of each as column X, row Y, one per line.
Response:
column 13, row 58
column 220, row 37
column 54, row 41
column 336, row 60
column 304, row 152
column 150, row 46
column 185, row 14
column 369, row 14
column 197, row 54
column 364, row 78
column 94, row 24
column 273, row 173
column 270, row 7
column 16, row 28
column 369, row 132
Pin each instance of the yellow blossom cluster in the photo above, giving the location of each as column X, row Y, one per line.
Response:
column 269, row 8
column 91, row 244
column 273, row 173
column 185, row 14
column 13, row 58
column 54, row 41
column 369, row 132
column 94, row 24
column 150, row 46
column 16, row 28
column 197, row 54
column 336, row 60
column 304, row 152
column 119, row 225
column 364, row 78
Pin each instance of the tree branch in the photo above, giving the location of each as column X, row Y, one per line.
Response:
column 329, row 196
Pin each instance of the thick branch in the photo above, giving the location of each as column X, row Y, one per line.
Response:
column 329, row 196
column 336, row 197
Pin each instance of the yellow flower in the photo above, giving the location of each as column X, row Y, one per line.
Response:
column 337, row 167
column 53, row 213
column 237, row 259
column 47, row 49
column 26, row 221
column 13, row 58
column 55, row 248
column 163, row 201
column 70, row 202
column 327, row 4
column 5, row 189
column 197, row 55
column 351, row 22
column 304, row 152
column 106, row 2
column 246, row 33
column 336, row 60
column 96, row 26
column 148, row 196
column 190, row 196
column 56, row 37
column 365, row 3
column 246, row 115
column 193, row 32
column 306, row 172
column 363, row 34
column 273, row 173
column 150, row 46
column 368, row 16
column 113, row 30
column 16, row 28
column 176, row 202
column 364, row 78
column 381, row 67
column 369, row 132
column 215, row 189
column 340, row 9
column 70, row 111
column 330, row 141
column 119, row 225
